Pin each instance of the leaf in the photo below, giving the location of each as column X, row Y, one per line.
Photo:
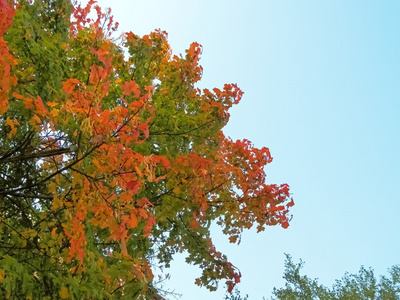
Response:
column 146, row 39
column 69, row 85
column 143, row 202
column 131, row 87
column 17, row 96
column 133, row 185
column 98, row 139
column 28, row 102
column 285, row 224
column 52, row 103
column 64, row 294
column 40, row 108
column 232, row 239
column 12, row 124
column 132, row 221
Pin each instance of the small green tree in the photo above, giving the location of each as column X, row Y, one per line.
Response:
column 363, row 285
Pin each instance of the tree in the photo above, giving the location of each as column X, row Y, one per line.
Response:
column 112, row 161
column 363, row 285
column 235, row 295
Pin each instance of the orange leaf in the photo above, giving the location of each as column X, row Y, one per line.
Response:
column 51, row 104
column 130, row 87
column 149, row 225
column 144, row 127
column 41, row 110
column 144, row 201
column 69, row 85
column 132, row 222
column 194, row 224
column 53, row 232
column 28, row 103
column 15, row 95
column 37, row 119
column 146, row 39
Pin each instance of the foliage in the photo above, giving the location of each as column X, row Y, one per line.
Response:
column 235, row 295
column 363, row 285
column 111, row 160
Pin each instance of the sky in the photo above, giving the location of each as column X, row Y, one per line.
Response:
column 321, row 84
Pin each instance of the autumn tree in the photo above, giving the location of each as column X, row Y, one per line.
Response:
column 112, row 160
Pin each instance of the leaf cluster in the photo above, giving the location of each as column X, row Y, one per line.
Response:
column 361, row 286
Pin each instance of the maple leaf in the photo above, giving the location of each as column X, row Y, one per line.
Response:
column 130, row 87
column 40, row 108
column 132, row 221
column 17, row 96
column 133, row 185
column 69, row 85
column 144, row 201
column 285, row 224
column 64, row 294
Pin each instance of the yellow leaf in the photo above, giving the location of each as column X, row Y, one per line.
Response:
column 12, row 125
column 51, row 104
column 64, row 293
column 52, row 187
column 54, row 112
column 29, row 233
column 138, row 171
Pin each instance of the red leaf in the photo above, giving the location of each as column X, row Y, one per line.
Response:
column 290, row 204
column 144, row 201
column 277, row 208
column 133, row 185
column 144, row 127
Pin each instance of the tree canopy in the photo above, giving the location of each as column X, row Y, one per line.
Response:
column 112, row 160
column 361, row 286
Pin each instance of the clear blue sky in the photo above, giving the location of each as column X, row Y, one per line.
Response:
column 321, row 83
